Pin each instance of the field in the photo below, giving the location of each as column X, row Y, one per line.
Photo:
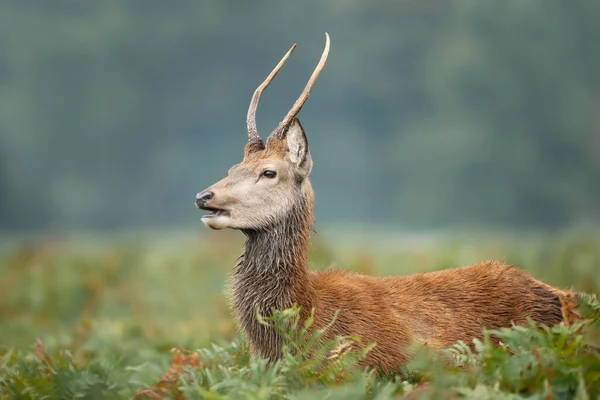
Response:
column 147, row 316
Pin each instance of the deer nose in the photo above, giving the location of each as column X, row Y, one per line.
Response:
column 203, row 197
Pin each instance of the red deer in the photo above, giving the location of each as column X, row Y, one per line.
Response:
column 268, row 196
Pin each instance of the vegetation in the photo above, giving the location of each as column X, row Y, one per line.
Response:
column 124, row 318
column 429, row 114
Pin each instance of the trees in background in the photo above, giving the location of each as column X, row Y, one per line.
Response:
column 428, row 114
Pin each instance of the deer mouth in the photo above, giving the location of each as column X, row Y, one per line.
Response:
column 214, row 212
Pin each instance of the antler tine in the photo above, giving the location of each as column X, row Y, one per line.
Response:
column 283, row 125
column 251, row 117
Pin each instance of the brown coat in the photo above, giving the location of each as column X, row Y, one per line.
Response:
column 268, row 196
column 435, row 309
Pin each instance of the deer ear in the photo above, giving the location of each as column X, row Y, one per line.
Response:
column 297, row 148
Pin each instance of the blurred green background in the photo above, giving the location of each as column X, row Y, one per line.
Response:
column 429, row 114
column 443, row 133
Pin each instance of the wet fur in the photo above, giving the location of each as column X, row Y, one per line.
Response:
column 436, row 309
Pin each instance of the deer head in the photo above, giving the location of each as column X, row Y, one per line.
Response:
column 272, row 176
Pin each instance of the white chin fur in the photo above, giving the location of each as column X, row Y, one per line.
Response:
column 216, row 222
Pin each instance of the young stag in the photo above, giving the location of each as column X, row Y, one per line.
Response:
column 268, row 197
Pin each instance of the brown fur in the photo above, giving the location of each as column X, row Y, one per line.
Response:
column 435, row 309
column 276, row 214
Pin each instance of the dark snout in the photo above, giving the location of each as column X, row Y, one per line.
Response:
column 203, row 197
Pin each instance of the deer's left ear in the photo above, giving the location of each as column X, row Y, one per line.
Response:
column 297, row 148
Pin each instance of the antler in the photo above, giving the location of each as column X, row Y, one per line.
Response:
column 251, row 117
column 284, row 125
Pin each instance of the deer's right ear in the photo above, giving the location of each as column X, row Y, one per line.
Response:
column 297, row 148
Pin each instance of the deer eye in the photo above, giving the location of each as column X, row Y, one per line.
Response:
column 269, row 174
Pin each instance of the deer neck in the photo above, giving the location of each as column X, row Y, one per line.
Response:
column 273, row 275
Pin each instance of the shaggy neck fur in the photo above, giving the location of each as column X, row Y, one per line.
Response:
column 273, row 274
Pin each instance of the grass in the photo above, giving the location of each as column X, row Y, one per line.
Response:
column 148, row 318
